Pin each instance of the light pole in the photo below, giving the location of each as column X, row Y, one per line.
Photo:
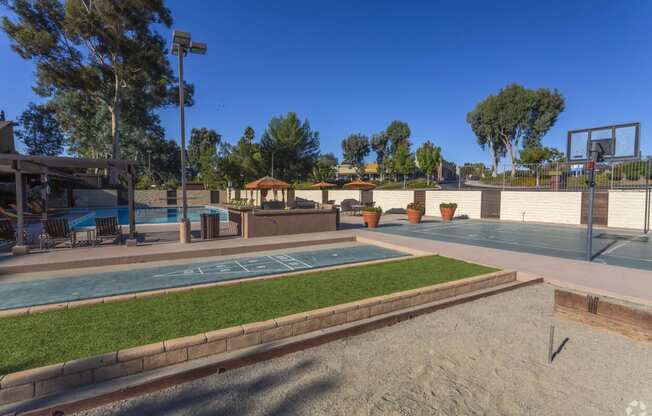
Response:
column 181, row 45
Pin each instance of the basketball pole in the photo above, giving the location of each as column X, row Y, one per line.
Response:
column 589, row 227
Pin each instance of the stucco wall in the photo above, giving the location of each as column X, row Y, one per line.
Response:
column 85, row 198
column 627, row 209
column 468, row 202
column 555, row 207
column 339, row 195
column 393, row 200
column 150, row 197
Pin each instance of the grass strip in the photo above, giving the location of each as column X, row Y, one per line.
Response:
column 52, row 337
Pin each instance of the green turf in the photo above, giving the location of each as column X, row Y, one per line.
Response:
column 53, row 337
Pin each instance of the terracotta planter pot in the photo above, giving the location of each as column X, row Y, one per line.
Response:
column 371, row 219
column 447, row 214
column 414, row 216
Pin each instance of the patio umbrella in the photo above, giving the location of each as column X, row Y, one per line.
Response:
column 361, row 185
column 323, row 185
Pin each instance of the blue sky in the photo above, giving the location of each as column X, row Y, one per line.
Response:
column 353, row 67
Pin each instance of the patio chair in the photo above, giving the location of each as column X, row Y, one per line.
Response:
column 349, row 206
column 8, row 232
column 55, row 231
column 107, row 228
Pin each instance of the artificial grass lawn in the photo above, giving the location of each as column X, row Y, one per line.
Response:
column 59, row 336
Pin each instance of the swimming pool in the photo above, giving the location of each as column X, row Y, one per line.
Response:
column 149, row 215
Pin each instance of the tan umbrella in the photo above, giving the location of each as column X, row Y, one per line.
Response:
column 323, row 185
column 361, row 185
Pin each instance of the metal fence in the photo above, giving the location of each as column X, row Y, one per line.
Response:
column 565, row 176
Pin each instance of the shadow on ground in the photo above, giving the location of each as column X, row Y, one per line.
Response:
column 233, row 396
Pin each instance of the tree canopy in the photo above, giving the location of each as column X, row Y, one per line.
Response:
column 429, row 159
column 104, row 51
column 292, row 144
column 398, row 133
column 203, row 143
column 324, row 168
column 40, row 131
column 516, row 115
column 354, row 150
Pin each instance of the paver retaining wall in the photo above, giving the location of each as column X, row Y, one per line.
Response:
column 42, row 381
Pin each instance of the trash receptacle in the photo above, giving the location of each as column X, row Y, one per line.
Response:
column 210, row 226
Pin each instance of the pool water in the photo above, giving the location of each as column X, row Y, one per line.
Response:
column 163, row 215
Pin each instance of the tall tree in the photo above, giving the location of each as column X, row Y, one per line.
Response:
column 354, row 150
column 324, row 168
column 480, row 120
column 40, row 131
column 203, row 142
column 380, row 145
column 292, row 144
column 104, row 50
column 429, row 159
column 403, row 162
column 245, row 159
column 519, row 115
column 398, row 133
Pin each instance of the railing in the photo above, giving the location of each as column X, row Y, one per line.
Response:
column 568, row 176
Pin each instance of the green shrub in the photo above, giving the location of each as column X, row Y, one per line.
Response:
column 445, row 205
column 417, row 206
column 377, row 210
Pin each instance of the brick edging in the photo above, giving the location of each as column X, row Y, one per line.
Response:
column 626, row 318
column 42, row 381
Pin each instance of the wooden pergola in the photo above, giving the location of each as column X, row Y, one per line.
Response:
column 56, row 166
column 266, row 183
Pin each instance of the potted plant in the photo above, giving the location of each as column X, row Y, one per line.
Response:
column 447, row 210
column 415, row 211
column 371, row 216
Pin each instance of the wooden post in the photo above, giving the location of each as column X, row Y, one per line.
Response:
column 44, row 193
column 20, row 224
column 131, row 203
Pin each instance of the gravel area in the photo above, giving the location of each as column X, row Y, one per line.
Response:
column 487, row 357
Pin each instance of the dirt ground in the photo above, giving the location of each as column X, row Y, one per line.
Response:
column 488, row 357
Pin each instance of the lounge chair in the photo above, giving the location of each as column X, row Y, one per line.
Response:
column 107, row 228
column 11, row 214
column 55, row 231
column 8, row 232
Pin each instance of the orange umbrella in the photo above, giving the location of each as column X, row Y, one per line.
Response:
column 358, row 184
column 323, row 184
column 267, row 183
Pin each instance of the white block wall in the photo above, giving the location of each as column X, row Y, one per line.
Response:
column 339, row 195
column 388, row 200
column 555, row 207
column 309, row 195
column 627, row 209
column 468, row 202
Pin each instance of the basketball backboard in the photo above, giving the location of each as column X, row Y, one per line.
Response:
column 619, row 142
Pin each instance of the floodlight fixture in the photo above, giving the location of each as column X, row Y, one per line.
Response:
column 198, row 48
column 181, row 38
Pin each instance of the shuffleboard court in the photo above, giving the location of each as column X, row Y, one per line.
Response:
column 67, row 289
column 620, row 248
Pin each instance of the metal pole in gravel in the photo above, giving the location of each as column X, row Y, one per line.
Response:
column 552, row 342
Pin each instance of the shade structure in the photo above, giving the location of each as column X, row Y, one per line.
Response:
column 267, row 183
column 322, row 185
column 358, row 184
